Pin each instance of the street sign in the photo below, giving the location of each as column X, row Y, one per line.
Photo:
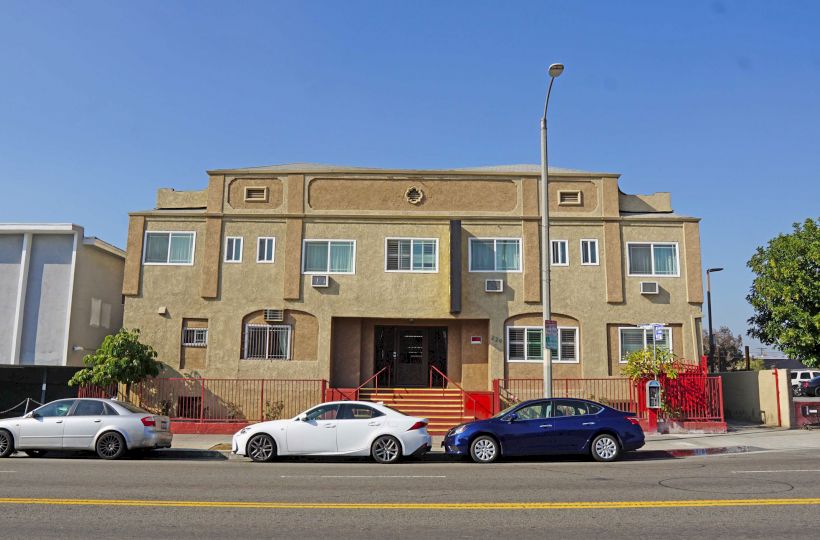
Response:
column 551, row 335
column 658, row 331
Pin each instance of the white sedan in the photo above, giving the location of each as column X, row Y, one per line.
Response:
column 339, row 428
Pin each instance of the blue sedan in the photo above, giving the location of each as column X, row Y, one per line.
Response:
column 548, row 426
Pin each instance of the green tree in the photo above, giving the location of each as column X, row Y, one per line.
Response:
column 648, row 364
column 785, row 294
column 120, row 359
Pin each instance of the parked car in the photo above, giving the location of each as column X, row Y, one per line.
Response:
column 340, row 428
column 106, row 426
column 548, row 426
column 810, row 388
column 800, row 376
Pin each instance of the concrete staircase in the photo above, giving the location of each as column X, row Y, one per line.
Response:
column 444, row 408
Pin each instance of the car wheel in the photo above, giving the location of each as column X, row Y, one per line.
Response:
column 6, row 443
column 605, row 447
column 110, row 445
column 484, row 449
column 35, row 453
column 386, row 449
column 261, row 448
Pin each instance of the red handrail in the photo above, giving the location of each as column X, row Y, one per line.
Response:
column 374, row 376
column 463, row 392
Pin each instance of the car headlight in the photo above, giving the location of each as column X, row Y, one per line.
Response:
column 244, row 430
column 460, row 429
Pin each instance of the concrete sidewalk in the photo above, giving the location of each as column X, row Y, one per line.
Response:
column 744, row 438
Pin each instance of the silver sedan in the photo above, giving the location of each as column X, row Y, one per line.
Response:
column 106, row 426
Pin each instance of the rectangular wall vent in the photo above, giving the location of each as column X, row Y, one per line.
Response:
column 569, row 197
column 649, row 287
column 274, row 315
column 319, row 281
column 493, row 285
column 256, row 194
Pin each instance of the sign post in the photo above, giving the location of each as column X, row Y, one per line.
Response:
column 550, row 344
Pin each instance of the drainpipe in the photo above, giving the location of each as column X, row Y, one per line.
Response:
column 777, row 394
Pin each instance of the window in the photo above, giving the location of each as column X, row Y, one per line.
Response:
column 265, row 248
column 411, row 255
column 635, row 339
column 57, row 408
column 233, row 249
column 524, row 344
column 358, row 412
column 256, row 194
column 589, row 252
column 329, row 257
column 559, row 253
column 495, row 254
column 169, row 248
column 569, row 198
column 536, row 411
column 267, row 342
column 194, row 337
column 324, row 412
column 565, row 407
column 653, row 259
column 89, row 407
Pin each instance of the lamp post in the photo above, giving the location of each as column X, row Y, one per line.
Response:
column 709, row 308
column 555, row 70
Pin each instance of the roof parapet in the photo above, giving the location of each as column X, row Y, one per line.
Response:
column 170, row 199
column 659, row 202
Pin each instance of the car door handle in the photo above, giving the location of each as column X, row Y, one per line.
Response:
column 327, row 426
column 588, row 424
column 58, row 422
column 374, row 424
column 545, row 425
column 97, row 421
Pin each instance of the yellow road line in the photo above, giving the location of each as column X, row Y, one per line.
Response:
column 579, row 505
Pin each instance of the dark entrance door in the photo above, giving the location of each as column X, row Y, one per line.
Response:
column 410, row 351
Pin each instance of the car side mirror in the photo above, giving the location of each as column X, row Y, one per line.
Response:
column 34, row 414
column 512, row 417
column 303, row 418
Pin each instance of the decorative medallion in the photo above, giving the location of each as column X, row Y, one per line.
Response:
column 414, row 195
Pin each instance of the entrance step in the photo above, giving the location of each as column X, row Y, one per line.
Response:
column 443, row 408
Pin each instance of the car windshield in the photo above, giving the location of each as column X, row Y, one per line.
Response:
column 131, row 408
column 506, row 411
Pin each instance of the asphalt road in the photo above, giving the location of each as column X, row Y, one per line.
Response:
column 649, row 495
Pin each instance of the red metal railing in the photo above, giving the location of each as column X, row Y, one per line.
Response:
column 465, row 396
column 221, row 400
column 618, row 393
column 691, row 397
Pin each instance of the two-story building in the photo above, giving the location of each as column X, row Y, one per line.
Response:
column 309, row 271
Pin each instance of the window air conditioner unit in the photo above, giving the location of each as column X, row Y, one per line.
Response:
column 274, row 315
column 649, row 287
column 493, row 285
column 319, row 281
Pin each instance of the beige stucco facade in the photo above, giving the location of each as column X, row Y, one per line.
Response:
column 335, row 330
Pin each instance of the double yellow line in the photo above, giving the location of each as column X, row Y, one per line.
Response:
column 579, row 505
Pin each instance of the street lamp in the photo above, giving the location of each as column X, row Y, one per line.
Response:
column 709, row 308
column 555, row 70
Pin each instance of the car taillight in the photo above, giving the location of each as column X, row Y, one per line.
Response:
column 805, row 384
column 148, row 421
column 634, row 421
column 418, row 425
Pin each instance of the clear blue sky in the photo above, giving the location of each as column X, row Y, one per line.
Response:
column 718, row 102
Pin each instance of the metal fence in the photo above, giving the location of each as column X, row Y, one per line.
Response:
column 219, row 400
column 691, row 397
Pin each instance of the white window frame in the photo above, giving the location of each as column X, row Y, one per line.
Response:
column 269, row 327
column 168, row 256
column 412, row 240
column 597, row 255
column 495, row 239
column 241, row 248
column 272, row 249
column 566, row 251
column 652, row 259
column 195, row 342
column 329, row 241
column 645, row 330
column 558, row 360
